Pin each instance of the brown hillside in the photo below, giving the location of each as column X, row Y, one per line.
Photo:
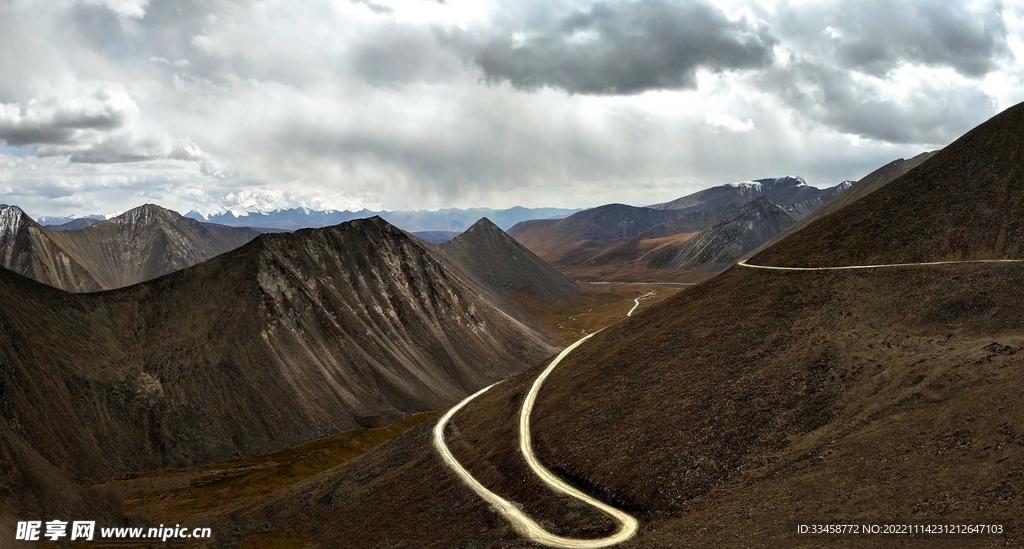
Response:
column 864, row 186
column 145, row 243
column 489, row 255
column 579, row 237
column 291, row 338
column 27, row 248
column 756, row 401
column 962, row 203
column 141, row 244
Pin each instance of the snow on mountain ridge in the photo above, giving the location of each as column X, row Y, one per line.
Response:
column 738, row 184
column 793, row 180
column 769, row 182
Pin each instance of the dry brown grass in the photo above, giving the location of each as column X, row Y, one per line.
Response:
column 632, row 272
column 183, row 495
column 596, row 306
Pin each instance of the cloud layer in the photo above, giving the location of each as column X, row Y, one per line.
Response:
column 387, row 104
column 615, row 48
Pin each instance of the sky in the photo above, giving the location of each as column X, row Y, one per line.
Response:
column 425, row 104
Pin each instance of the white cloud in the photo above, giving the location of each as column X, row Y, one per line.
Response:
column 102, row 125
column 726, row 122
column 135, row 9
column 344, row 105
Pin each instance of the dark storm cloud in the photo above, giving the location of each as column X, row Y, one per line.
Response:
column 388, row 102
column 930, row 113
column 876, row 36
column 616, row 47
column 53, row 123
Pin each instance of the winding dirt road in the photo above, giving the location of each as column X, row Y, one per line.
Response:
column 519, row 520
column 529, row 528
column 637, row 302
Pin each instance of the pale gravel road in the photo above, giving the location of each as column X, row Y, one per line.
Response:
column 522, row 523
column 637, row 302
column 519, row 520
column 850, row 267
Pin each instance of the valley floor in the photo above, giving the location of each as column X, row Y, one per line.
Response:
column 599, row 304
column 202, row 495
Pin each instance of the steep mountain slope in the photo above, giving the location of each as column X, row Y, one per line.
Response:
column 28, row 249
column 724, row 243
column 965, row 201
column 290, row 338
column 864, row 186
column 761, row 400
column 139, row 245
column 580, row 236
column 653, row 237
column 665, row 239
column 147, row 242
column 803, row 208
column 494, row 259
column 74, row 224
column 743, row 226
column 531, row 231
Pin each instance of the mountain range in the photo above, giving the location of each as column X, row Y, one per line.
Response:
column 447, row 220
column 758, row 400
column 731, row 219
column 444, row 220
column 783, row 390
column 141, row 244
column 285, row 340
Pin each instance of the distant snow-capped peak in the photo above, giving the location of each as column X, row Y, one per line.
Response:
column 205, row 213
column 787, row 180
column 743, row 184
column 769, row 182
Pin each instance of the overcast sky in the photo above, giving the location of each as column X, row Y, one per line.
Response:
column 107, row 104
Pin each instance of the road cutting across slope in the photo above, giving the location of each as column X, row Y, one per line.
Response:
column 637, row 302
column 880, row 266
column 519, row 520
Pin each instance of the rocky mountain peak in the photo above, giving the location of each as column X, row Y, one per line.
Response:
column 11, row 219
column 488, row 254
column 145, row 215
column 760, row 203
column 484, row 228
